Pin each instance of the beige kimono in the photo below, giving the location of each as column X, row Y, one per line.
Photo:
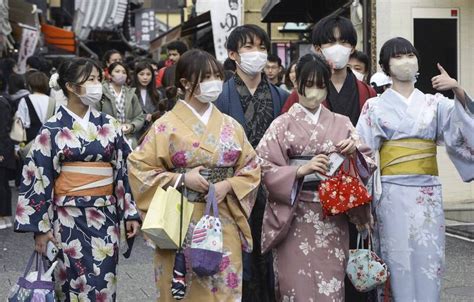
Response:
column 180, row 140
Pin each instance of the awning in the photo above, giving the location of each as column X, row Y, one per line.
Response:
column 308, row 11
column 59, row 37
column 183, row 30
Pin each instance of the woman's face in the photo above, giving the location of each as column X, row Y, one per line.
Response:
column 118, row 71
column 144, row 77
column 293, row 75
column 313, row 95
column 206, row 78
column 93, row 79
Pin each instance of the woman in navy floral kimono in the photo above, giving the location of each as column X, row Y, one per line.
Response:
column 75, row 191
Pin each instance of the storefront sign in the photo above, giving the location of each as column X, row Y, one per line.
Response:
column 145, row 27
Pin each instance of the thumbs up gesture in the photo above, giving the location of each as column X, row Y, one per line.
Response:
column 443, row 81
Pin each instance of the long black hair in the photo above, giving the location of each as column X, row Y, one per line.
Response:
column 151, row 87
column 312, row 69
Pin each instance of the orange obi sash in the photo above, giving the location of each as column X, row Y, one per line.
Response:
column 84, row 179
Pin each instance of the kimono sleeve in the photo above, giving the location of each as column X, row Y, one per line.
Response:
column 455, row 130
column 123, row 193
column 370, row 132
column 147, row 166
column 246, row 179
column 34, row 211
column 278, row 176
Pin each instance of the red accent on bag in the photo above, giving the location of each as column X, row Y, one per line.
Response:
column 342, row 192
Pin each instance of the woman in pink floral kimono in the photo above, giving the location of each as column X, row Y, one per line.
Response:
column 309, row 250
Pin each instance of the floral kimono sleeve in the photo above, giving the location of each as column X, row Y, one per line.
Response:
column 147, row 167
column 455, row 130
column 278, row 176
column 34, row 211
column 246, row 179
column 123, row 193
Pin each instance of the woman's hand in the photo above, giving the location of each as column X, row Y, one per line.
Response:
column 127, row 128
column 347, row 146
column 132, row 227
column 222, row 188
column 443, row 82
column 194, row 181
column 41, row 241
column 148, row 117
column 319, row 163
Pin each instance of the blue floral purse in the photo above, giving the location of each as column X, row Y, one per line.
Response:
column 365, row 269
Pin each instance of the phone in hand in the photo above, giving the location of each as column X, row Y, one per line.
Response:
column 52, row 251
column 335, row 161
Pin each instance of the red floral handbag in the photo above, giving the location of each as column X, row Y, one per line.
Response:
column 342, row 192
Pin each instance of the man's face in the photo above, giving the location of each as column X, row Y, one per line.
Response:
column 173, row 55
column 357, row 65
column 338, row 40
column 257, row 45
column 116, row 57
column 272, row 70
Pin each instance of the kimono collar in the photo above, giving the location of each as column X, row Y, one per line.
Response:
column 204, row 118
column 83, row 121
column 204, row 132
column 314, row 116
column 408, row 100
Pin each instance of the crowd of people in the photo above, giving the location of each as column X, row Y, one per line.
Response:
column 100, row 145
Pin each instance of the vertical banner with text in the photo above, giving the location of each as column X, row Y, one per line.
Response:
column 225, row 16
column 29, row 39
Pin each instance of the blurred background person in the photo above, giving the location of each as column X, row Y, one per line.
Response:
column 147, row 94
column 273, row 69
column 359, row 64
column 121, row 102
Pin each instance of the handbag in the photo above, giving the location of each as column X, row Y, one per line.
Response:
column 17, row 132
column 207, row 243
column 365, row 269
column 162, row 221
column 34, row 286
column 342, row 192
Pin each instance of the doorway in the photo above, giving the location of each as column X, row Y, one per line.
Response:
column 435, row 36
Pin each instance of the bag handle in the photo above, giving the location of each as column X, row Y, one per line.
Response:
column 180, row 180
column 40, row 267
column 369, row 238
column 211, row 201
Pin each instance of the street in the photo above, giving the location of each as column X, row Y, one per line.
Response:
column 136, row 281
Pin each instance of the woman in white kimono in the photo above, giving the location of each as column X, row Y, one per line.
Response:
column 405, row 126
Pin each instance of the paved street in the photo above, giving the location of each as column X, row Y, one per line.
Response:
column 135, row 280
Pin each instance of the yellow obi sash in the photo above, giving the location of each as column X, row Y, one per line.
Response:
column 408, row 156
column 84, row 179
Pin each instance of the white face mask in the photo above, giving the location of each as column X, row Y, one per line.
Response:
column 404, row 69
column 119, row 79
column 338, row 55
column 252, row 63
column 359, row 76
column 92, row 96
column 313, row 97
column 210, row 91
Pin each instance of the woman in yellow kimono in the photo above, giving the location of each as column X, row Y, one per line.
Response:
column 195, row 138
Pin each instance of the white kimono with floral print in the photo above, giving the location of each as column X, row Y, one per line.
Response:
column 409, row 213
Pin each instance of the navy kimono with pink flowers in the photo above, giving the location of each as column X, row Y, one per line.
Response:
column 87, row 227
